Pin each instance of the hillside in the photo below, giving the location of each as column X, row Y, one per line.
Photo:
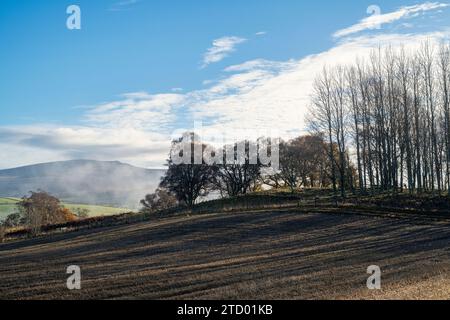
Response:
column 83, row 181
column 267, row 254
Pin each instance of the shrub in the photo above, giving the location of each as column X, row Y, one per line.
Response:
column 66, row 215
column 13, row 220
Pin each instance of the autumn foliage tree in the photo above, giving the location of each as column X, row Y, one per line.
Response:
column 303, row 163
column 40, row 208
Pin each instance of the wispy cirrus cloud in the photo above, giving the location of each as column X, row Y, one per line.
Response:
column 221, row 48
column 377, row 20
column 122, row 5
column 139, row 110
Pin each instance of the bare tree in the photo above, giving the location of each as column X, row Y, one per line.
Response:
column 330, row 115
column 321, row 117
column 239, row 170
column 191, row 180
column 444, row 75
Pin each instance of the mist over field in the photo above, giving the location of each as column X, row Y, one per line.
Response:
column 83, row 181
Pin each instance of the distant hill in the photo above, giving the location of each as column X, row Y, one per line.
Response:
column 83, row 181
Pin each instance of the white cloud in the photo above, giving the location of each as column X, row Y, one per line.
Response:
column 377, row 20
column 137, row 110
column 220, row 49
column 261, row 33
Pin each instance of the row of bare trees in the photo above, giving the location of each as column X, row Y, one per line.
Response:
column 192, row 180
column 391, row 113
column 302, row 163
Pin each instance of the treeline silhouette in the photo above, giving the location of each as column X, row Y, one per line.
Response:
column 300, row 162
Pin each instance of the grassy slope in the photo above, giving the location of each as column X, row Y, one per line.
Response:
column 8, row 206
column 270, row 254
column 8, row 200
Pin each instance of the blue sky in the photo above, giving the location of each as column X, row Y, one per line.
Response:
column 139, row 67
